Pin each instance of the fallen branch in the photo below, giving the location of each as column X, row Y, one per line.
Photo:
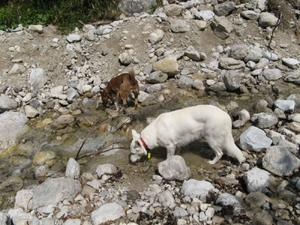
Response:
column 85, row 139
column 102, row 150
column 273, row 31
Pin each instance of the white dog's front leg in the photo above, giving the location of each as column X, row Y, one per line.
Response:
column 170, row 150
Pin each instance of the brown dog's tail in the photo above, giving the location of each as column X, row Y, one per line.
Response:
column 132, row 77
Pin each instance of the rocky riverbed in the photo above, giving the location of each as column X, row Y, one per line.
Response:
column 64, row 158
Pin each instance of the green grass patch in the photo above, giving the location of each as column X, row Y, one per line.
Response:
column 65, row 14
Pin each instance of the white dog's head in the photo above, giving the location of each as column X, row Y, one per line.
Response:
column 137, row 149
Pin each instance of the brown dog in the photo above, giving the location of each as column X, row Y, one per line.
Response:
column 121, row 86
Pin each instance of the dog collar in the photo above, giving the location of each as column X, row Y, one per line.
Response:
column 144, row 144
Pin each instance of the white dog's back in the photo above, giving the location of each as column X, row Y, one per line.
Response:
column 180, row 127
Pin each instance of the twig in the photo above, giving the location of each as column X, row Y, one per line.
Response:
column 85, row 139
column 273, row 31
column 104, row 149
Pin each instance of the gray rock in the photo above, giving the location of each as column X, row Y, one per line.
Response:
column 166, row 199
column 199, row 85
column 206, row 15
column 157, row 77
column 272, row 74
column 22, row 199
column 262, row 63
column 224, row 8
column 222, row 27
column 254, row 139
column 62, row 122
column 71, row 38
column 142, row 96
column 107, row 212
column 296, row 98
column 154, row 88
column 71, row 94
column 36, row 28
column 137, row 6
column 197, row 189
column 40, row 172
column 294, row 126
column 13, row 125
column 295, row 117
column 285, row 105
column 179, row 26
column 262, row 218
column 270, row 56
column 30, row 112
column 72, row 222
column 180, row 212
column 280, row 161
column 55, row 190
column 173, row 10
column 108, row 168
column 185, row 82
column 230, row 203
column 256, row 179
column 7, row 103
column 264, row 120
column 125, row 58
column 293, row 76
column 217, row 87
column 12, row 183
column 167, row 65
column 291, row 63
column 238, row 52
column 57, row 92
column 250, row 15
column 103, row 30
column 231, row 63
column 232, row 80
column 256, row 200
column 156, row 36
column 73, row 169
column 254, row 54
column 38, row 78
column 17, row 69
column 289, row 145
column 90, row 35
column 174, row 168
column 267, row 19
column 193, row 54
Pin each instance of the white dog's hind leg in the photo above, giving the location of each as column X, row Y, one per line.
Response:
column 170, row 150
column 219, row 153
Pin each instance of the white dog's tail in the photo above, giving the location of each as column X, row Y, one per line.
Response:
column 232, row 150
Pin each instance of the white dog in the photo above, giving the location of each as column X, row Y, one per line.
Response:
column 181, row 127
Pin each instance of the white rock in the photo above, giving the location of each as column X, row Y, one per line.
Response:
column 256, row 179
column 73, row 169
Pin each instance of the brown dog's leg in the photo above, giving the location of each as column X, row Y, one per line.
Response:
column 136, row 94
column 117, row 101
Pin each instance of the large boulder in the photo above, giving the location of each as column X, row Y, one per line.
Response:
column 55, row 190
column 13, row 125
column 280, row 161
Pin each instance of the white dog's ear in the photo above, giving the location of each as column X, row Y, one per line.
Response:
column 135, row 135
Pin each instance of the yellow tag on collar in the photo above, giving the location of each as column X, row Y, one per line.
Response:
column 149, row 155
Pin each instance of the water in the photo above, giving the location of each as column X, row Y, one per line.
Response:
column 67, row 142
